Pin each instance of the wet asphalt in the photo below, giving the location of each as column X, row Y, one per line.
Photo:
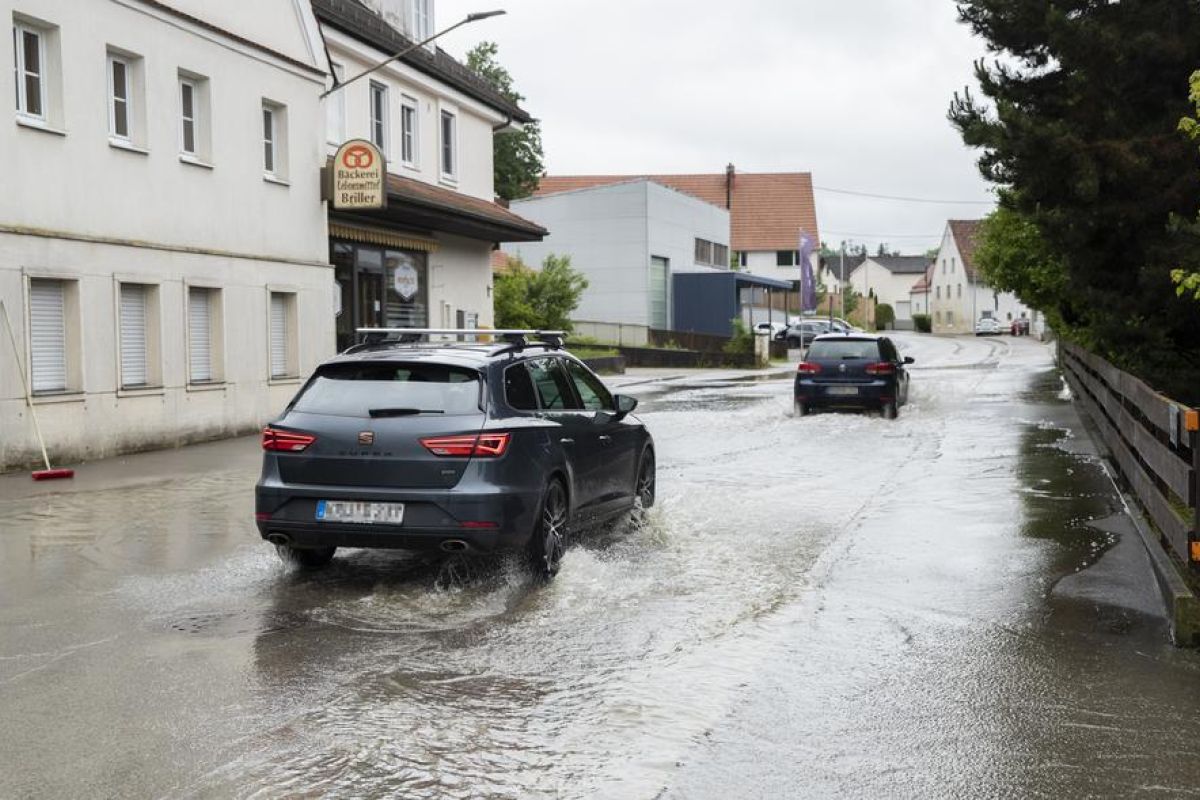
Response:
column 947, row 605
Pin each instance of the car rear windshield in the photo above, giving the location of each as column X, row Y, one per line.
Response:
column 843, row 349
column 383, row 389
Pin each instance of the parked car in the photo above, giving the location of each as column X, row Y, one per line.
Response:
column 987, row 326
column 802, row 333
column 855, row 370
column 450, row 447
column 773, row 329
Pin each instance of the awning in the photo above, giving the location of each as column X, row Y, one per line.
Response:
column 381, row 236
column 416, row 205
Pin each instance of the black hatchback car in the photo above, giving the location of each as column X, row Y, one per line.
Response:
column 854, row 370
column 450, row 447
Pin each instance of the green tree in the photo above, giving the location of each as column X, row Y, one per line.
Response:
column 516, row 153
column 1078, row 126
column 1189, row 282
column 1013, row 257
column 538, row 299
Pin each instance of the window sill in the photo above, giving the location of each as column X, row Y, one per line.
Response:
column 284, row 380
column 36, row 124
column 268, row 178
column 213, row 386
column 448, row 180
column 410, row 165
column 129, row 147
column 59, row 397
column 184, row 158
column 140, row 391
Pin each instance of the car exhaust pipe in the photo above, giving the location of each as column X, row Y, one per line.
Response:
column 454, row 545
column 277, row 538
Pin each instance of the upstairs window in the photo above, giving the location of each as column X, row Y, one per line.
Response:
column 720, row 255
column 118, row 97
column 408, row 131
column 29, row 59
column 275, row 152
column 379, row 116
column 187, row 117
column 268, row 122
column 704, row 251
column 786, row 258
column 422, row 20
column 449, row 145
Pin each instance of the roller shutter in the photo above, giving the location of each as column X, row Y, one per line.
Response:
column 133, row 334
column 279, row 335
column 199, row 335
column 48, row 336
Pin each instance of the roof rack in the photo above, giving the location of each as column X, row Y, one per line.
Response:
column 516, row 339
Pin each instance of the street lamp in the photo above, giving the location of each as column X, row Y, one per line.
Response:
column 475, row 17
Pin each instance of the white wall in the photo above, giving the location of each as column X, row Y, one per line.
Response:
column 763, row 262
column 99, row 420
column 460, row 278
column 475, row 120
column 78, row 208
column 605, row 232
column 74, row 180
column 285, row 26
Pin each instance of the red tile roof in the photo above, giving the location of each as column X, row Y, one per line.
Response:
column 499, row 261
column 966, row 237
column 922, row 286
column 769, row 209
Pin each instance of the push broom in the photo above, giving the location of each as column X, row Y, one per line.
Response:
column 49, row 473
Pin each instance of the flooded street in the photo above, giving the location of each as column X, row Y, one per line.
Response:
column 943, row 605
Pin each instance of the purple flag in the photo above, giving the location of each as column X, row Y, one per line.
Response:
column 808, row 283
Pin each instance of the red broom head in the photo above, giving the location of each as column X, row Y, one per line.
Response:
column 53, row 474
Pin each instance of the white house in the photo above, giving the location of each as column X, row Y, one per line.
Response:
column 892, row 279
column 434, row 120
column 628, row 239
column 163, row 244
column 959, row 296
column 918, row 295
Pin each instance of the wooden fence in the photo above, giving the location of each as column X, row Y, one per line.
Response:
column 1149, row 438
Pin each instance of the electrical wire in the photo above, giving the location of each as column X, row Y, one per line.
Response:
column 903, row 199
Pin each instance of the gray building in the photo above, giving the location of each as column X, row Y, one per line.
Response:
column 628, row 239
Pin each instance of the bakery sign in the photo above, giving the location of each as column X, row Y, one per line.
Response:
column 358, row 177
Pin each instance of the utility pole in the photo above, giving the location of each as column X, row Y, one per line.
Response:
column 842, row 287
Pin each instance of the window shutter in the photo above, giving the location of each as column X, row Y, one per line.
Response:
column 279, row 337
column 133, row 334
column 199, row 336
column 48, row 336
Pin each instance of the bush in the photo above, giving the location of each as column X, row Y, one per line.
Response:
column 742, row 340
column 885, row 315
column 539, row 299
column 922, row 323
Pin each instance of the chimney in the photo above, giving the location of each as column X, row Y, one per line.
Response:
column 729, row 186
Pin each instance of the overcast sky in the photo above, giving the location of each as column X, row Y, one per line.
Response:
column 854, row 92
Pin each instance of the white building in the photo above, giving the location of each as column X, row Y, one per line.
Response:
column 628, row 239
column 892, row 279
column 163, row 244
column 958, row 295
column 434, row 121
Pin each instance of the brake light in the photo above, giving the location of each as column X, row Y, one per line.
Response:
column 285, row 441
column 807, row 368
column 483, row 445
column 882, row 368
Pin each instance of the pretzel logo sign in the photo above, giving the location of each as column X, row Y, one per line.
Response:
column 358, row 176
column 358, row 157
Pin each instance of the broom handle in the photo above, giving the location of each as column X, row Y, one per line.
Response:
column 25, row 384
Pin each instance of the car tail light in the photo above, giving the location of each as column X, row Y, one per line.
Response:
column 285, row 441
column 479, row 525
column 882, row 368
column 807, row 368
column 483, row 445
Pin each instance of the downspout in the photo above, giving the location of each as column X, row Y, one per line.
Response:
column 508, row 120
column 328, row 58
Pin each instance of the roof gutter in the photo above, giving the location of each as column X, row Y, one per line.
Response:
column 508, row 120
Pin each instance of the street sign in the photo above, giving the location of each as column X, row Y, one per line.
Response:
column 359, row 176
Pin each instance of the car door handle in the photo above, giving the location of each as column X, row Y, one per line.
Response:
column 566, row 441
column 605, row 439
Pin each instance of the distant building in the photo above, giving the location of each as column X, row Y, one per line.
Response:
column 891, row 278
column 767, row 212
column 919, row 294
column 959, row 294
column 163, row 244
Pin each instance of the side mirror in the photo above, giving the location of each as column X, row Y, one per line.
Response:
column 624, row 404
column 908, row 360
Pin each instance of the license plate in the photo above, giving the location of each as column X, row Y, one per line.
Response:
column 360, row 511
column 842, row 391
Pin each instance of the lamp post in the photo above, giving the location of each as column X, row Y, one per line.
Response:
column 465, row 20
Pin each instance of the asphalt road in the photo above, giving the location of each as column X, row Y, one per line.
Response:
column 946, row 605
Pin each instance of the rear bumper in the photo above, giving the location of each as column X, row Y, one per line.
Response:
column 431, row 518
column 867, row 394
